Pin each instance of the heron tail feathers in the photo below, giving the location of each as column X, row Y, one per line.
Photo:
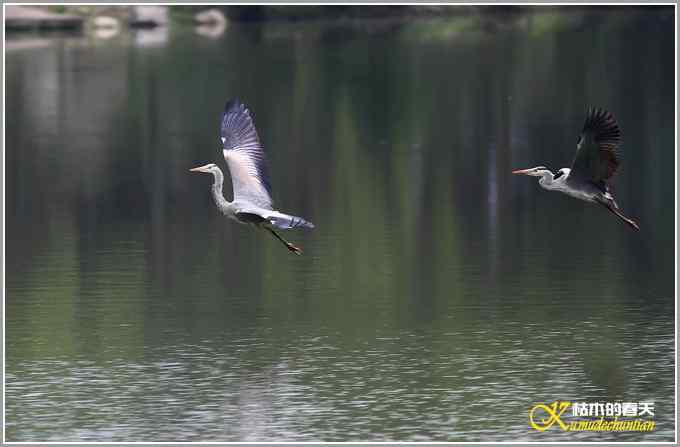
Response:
column 287, row 222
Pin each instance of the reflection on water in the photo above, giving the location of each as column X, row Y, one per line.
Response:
column 438, row 299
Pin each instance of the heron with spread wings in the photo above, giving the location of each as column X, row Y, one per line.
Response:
column 594, row 164
column 247, row 165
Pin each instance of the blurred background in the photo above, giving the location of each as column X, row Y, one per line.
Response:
column 439, row 297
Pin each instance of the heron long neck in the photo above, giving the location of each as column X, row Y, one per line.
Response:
column 546, row 180
column 222, row 204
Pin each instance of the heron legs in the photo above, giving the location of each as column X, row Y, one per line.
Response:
column 288, row 245
column 611, row 207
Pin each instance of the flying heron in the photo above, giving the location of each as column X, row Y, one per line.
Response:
column 247, row 164
column 594, row 164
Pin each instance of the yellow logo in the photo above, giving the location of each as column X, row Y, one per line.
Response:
column 607, row 416
column 553, row 412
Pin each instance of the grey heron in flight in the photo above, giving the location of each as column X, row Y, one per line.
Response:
column 247, row 164
column 594, row 164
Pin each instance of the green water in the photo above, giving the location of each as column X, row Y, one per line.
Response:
column 439, row 297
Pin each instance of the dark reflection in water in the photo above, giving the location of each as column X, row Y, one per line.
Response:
column 439, row 297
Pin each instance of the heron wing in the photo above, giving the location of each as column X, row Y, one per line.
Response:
column 596, row 158
column 245, row 156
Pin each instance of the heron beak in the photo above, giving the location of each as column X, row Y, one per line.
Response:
column 199, row 169
column 521, row 171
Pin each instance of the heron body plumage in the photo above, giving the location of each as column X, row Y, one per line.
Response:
column 245, row 157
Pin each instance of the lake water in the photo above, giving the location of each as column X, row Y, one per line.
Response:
column 439, row 297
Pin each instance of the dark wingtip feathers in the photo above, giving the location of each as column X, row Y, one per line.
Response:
column 604, row 128
column 237, row 124
column 236, row 119
column 606, row 133
column 234, row 105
